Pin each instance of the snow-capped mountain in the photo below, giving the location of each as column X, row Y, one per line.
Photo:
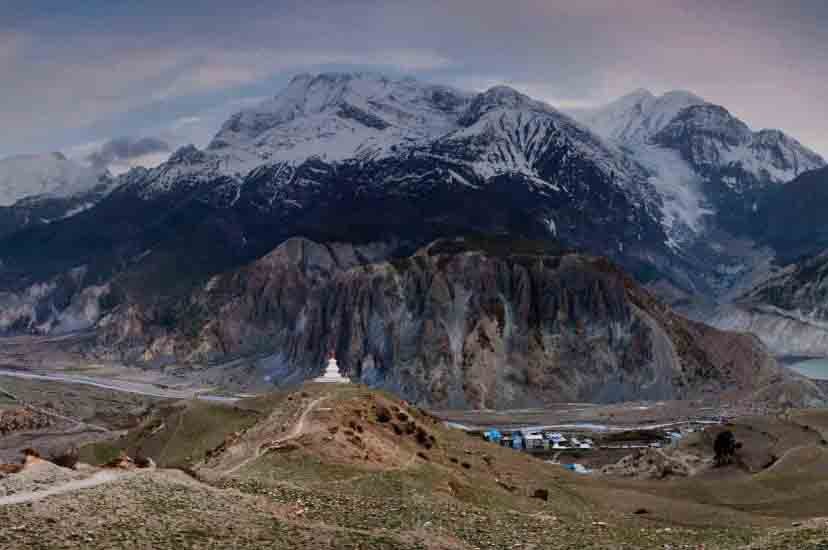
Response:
column 708, row 166
column 406, row 163
column 707, row 136
column 504, row 131
column 737, row 204
column 638, row 116
column 48, row 175
column 711, row 139
column 364, row 158
column 337, row 116
column 630, row 122
column 395, row 138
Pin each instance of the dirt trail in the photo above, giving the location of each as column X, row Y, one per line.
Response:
column 52, row 413
column 99, row 478
column 297, row 430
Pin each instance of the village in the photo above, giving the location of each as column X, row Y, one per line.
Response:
column 582, row 447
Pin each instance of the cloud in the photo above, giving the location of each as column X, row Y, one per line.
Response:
column 106, row 68
column 232, row 69
column 122, row 153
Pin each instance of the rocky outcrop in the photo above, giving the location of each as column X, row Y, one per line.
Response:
column 23, row 419
column 461, row 323
column 66, row 303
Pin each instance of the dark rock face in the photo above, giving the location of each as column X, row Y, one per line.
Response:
column 458, row 324
column 788, row 309
column 41, row 210
column 738, row 166
column 792, row 219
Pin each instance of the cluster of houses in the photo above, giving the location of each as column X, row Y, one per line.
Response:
column 538, row 440
column 545, row 439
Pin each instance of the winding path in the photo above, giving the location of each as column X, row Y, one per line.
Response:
column 99, row 478
column 297, row 430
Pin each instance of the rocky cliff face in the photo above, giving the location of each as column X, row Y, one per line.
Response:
column 788, row 310
column 788, row 307
column 460, row 323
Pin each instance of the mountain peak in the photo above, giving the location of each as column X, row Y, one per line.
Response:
column 638, row 95
column 681, row 96
column 337, row 115
column 498, row 98
column 638, row 115
column 506, row 96
column 709, row 135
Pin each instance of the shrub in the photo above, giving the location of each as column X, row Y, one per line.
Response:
column 66, row 459
column 28, row 451
column 724, row 448
column 423, row 438
column 143, row 462
column 383, row 414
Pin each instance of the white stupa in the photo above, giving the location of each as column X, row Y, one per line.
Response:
column 332, row 375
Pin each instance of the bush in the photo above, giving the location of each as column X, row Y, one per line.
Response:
column 383, row 414
column 31, row 452
column 724, row 448
column 66, row 459
column 143, row 462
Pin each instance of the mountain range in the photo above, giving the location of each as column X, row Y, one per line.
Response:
column 675, row 190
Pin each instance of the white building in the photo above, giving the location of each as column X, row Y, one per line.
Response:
column 332, row 375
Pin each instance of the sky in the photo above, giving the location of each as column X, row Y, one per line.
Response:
column 124, row 83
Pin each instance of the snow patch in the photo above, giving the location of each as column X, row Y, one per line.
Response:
column 683, row 203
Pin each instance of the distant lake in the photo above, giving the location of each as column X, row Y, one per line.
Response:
column 812, row 368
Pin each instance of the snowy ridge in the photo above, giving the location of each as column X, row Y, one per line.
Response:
column 659, row 151
column 186, row 167
column 685, row 143
column 337, row 116
column 637, row 116
column 361, row 117
column 49, row 175
column 507, row 132
column 710, row 137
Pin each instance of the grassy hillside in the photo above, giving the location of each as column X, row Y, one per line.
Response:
column 175, row 435
column 345, row 467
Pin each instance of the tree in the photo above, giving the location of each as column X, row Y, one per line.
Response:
column 725, row 447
